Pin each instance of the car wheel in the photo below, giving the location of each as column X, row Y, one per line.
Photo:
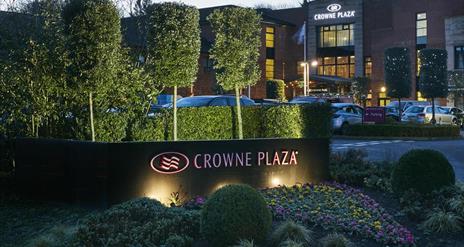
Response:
column 344, row 128
column 455, row 121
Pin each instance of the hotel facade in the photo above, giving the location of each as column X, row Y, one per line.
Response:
column 347, row 38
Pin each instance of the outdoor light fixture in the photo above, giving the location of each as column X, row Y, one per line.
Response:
column 275, row 181
column 383, row 89
column 314, row 63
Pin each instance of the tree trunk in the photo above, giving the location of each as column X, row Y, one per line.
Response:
column 433, row 121
column 400, row 110
column 33, row 125
column 92, row 126
column 239, row 113
column 174, row 106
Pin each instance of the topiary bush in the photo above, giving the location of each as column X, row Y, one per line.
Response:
column 423, row 171
column 235, row 212
column 140, row 222
column 275, row 89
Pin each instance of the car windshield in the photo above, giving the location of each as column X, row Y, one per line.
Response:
column 394, row 104
column 391, row 109
column 415, row 109
column 193, row 101
column 335, row 109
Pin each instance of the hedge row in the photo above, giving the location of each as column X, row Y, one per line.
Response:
column 403, row 130
column 219, row 123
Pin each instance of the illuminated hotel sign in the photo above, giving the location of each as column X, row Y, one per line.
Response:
column 334, row 12
column 174, row 162
column 116, row 172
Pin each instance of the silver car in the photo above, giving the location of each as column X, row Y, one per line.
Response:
column 345, row 114
column 423, row 114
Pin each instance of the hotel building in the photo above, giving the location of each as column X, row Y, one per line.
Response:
column 348, row 39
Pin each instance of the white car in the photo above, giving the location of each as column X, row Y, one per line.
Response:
column 423, row 114
column 345, row 114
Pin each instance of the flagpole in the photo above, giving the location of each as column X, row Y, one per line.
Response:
column 305, row 77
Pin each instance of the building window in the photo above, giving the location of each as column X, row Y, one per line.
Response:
column 269, row 69
column 336, row 36
column 337, row 66
column 418, row 62
column 459, row 57
column 421, row 28
column 368, row 67
column 270, row 37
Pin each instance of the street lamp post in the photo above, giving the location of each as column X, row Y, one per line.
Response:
column 306, row 74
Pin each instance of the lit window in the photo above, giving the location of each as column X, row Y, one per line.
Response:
column 269, row 69
column 336, row 36
column 419, row 97
column 270, row 37
column 368, row 67
column 418, row 62
column 421, row 29
column 459, row 57
column 336, row 66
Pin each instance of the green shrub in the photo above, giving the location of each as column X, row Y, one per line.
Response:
column 351, row 167
column 413, row 204
column 245, row 243
column 283, row 121
column 423, row 171
column 441, row 221
column 59, row 236
column 275, row 89
column 140, row 222
column 235, row 212
column 317, row 120
column 335, row 240
column 218, row 123
column 252, row 122
column 291, row 231
column 199, row 123
column 403, row 130
column 146, row 129
column 290, row 243
column 457, row 205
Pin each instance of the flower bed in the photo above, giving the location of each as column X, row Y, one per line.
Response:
column 338, row 207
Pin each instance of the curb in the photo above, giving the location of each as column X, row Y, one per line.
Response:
column 396, row 138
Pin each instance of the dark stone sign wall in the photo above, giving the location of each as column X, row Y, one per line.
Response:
column 108, row 173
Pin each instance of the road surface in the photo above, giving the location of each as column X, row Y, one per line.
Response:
column 391, row 150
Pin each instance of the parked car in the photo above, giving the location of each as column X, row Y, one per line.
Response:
column 307, row 100
column 267, row 102
column 458, row 113
column 407, row 103
column 423, row 114
column 212, row 100
column 392, row 112
column 345, row 114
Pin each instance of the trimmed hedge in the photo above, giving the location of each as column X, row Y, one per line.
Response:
column 275, row 89
column 218, row 123
column 403, row 130
column 422, row 170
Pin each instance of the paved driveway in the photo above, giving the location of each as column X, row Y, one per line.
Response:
column 391, row 150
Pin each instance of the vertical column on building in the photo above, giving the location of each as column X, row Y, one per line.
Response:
column 359, row 40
